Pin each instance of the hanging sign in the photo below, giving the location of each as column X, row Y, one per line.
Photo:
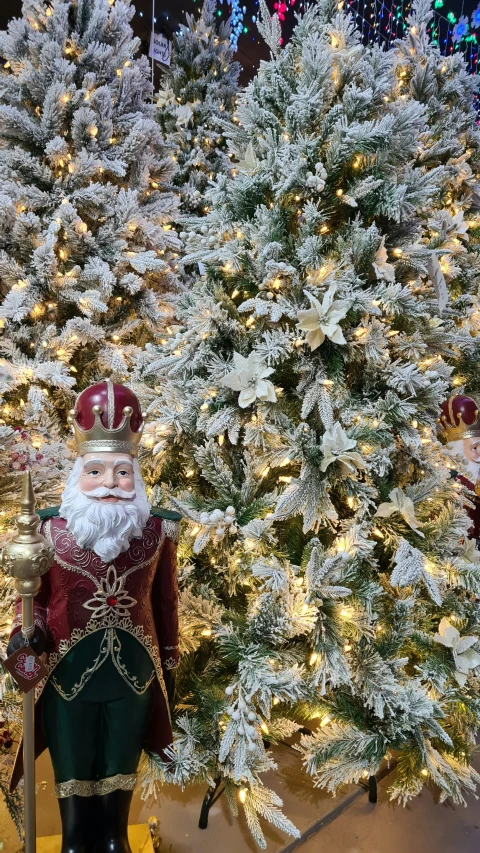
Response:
column 160, row 48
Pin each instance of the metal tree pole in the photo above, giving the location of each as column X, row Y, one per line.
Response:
column 153, row 61
column 27, row 557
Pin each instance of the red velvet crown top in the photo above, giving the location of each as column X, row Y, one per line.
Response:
column 459, row 405
column 112, row 405
column 459, row 418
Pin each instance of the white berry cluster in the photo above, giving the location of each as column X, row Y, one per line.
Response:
column 244, row 716
column 190, row 238
column 222, row 522
column 317, row 181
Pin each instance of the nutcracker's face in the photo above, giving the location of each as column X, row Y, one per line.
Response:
column 105, row 503
column 107, row 477
column 471, row 449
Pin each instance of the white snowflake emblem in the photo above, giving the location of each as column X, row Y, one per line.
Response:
column 110, row 597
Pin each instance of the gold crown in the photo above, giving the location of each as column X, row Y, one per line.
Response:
column 452, row 426
column 120, row 439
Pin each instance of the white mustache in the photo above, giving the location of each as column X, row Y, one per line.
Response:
column 102, row 492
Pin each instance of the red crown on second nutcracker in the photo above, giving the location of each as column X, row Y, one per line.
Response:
column 459, row 418
column 107, row 417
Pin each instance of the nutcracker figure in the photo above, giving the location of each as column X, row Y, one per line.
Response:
column 106, row 617
column 459, row 425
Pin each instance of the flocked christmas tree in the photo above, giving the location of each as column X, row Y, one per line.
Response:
column 84, row 177
column 197, row 96
column 85, row 259
column 294, row 406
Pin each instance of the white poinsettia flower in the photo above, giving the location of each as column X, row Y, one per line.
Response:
column 336, row 446
column 165, row 96
column 381, row 266
column 464, row 656
column 184, row 115
column 322, row 319
column 250, row 379
column 400, row 502
column 470, row 551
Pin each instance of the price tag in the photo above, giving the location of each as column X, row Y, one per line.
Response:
column 26, row 668
column 438, row 281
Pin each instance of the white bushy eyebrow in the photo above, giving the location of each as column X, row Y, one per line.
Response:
column 94, row 462
column 102, row 462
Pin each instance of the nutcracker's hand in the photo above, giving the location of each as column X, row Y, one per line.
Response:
column 169, row 678
column 37, row 642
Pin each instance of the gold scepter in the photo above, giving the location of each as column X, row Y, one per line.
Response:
column 26, row 558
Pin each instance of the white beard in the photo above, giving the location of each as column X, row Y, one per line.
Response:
column 107, row 529
column 469, row 469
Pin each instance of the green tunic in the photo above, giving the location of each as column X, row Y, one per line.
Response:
column 96, row 738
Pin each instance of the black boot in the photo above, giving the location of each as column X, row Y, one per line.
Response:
column 112, row 811
column 79, row 819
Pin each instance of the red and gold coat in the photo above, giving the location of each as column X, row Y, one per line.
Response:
column 137, row 593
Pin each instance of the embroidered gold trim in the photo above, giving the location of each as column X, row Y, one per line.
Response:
column 113, row 445
column 86, row 676
column 80, row 788
column 112, row 649
column 92, row 627
column 81, row 571
column 110, row 587
column 172, row 529
column 131, row 680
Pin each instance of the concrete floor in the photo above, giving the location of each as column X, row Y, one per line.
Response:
column 423, row 827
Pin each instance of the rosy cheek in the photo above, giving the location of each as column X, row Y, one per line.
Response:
column 87, row 485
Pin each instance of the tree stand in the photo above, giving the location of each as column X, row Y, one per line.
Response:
column 210, row 798
column 371, row 787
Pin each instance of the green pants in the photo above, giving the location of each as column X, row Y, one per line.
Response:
column 96, row 740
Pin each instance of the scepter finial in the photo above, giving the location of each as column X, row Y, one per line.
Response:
column 28, row 555
column 27, row 501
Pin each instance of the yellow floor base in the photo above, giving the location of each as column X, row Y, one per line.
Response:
column 139, row 837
